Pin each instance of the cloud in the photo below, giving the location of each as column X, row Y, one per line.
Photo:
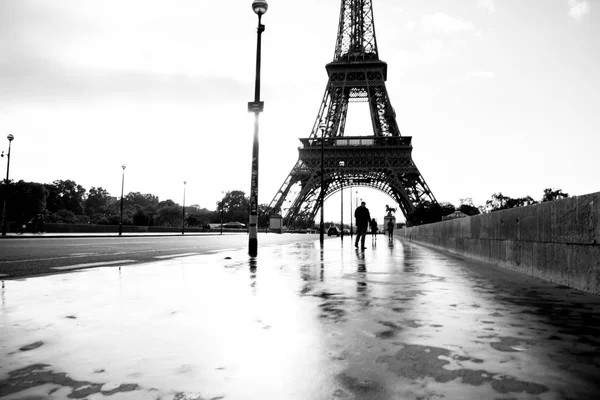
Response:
column 479, row 75
column 410, row 26
column 578, row 9
column 443, row 23
column 489, row 5
column 37, row 80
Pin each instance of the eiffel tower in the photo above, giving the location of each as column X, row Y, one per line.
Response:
column 382, row 161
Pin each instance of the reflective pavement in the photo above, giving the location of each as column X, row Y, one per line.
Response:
column 397, row 321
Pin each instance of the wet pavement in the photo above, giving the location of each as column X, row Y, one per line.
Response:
column 397, row 321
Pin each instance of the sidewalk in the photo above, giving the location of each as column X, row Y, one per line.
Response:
column 111, row 234
column 397, row 321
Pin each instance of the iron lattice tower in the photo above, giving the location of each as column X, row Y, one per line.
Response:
column 382, row 161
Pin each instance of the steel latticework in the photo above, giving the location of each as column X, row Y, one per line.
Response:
column 382, row 161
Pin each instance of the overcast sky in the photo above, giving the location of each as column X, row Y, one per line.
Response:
column 498, row 95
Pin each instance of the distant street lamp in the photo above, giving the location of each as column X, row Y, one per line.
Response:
column 259, row 7
column 351, row 182
column 342, row 164
column 183, row 215
column 10, row 138
column 322, row 191
column 222, row 199
column 122, row 187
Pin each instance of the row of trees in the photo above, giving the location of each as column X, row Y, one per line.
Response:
column 64, row 201
column 499, row 201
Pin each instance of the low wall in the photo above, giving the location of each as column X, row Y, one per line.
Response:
column 558, row 241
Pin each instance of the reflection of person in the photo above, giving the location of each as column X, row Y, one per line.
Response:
column 390, row 229
column 363, row 217
column 374, row 228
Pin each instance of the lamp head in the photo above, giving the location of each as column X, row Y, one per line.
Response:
column 10, row 137
column 260, row 6
column 123, row 166
column 342, row 163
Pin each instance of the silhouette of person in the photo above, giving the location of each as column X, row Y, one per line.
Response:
column 362, row 217
column 374, row 229
column 390, row 229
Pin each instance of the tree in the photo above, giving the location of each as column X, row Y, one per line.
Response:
column 169, row 215
column 552, row 194
column 97, row 201
column 26, row 199
column 141, row 200
column 426, row 213
column 497, row 202
column 141, row 218
column 467, row 207
column 166, row 203
column 65, row 195
column 235, row 206
column 501, row 202
column 447, row 208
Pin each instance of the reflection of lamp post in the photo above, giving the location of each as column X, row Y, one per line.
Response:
column 342, row 164
column 10, row 138
column 322, row 193
column 222, row 198
column 183, row 216
column 259, row 7
column 122, row 187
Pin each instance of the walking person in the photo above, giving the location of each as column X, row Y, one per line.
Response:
column 390, row 229
column 362, row 217
column 374, row 230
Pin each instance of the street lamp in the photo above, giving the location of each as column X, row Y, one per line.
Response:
column 122, row 187
column 342, row 164
column 222, row 198
column 10, row 138
column 259, row 7
column 183, row 215
column 322, row 192
column 351, row 182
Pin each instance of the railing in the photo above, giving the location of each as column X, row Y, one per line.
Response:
column 355, row 141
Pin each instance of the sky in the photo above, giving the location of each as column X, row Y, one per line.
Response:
column 498, row 95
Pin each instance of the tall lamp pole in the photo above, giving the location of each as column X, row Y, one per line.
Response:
column 222, row 198
column 322, row 191
column 259, row 7
column 10, row 138
column 122, row 187
column 351, row 208
column 183, row 213
column 342, row 164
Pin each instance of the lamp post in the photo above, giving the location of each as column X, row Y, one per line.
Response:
column 322, row 191
column 351, row 208
column 222, row 198
column 183, row 213
column 342, row 164
column 259, row 7
column 10, row 138
column 122, row 187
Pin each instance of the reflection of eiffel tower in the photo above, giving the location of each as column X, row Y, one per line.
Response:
column 382, row 161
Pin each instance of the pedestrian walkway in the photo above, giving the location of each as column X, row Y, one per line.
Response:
column 396, row 321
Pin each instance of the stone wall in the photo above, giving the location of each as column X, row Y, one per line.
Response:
column 558, row 241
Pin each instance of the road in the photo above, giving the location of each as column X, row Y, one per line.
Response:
column 43, row 255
